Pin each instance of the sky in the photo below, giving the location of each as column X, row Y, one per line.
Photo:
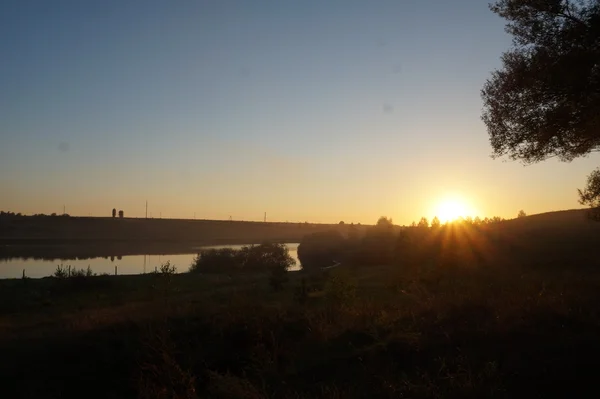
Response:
column 314, row 111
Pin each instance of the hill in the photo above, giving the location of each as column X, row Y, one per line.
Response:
column 85, row 237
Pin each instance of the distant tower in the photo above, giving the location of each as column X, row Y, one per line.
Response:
column 146, row 209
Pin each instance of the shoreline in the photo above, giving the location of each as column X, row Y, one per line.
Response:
column 88, row 249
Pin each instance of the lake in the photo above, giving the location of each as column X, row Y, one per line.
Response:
column 129, row 264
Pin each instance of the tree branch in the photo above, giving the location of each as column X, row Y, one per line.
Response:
column 569, row 15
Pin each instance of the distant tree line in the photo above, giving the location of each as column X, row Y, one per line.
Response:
column 386, row 243
column 37, row 215
column 468, row 220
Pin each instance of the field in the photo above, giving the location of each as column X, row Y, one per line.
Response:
column 514, row 312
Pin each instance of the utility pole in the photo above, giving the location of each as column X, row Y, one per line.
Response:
column 64, row 210
column 146, row 209
column 265, row 217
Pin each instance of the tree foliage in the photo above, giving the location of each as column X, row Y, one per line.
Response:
column 264, row 257
column 521, row 214
column 591, row 194
column 545, row 101
column 321, row 249
column 384, row 221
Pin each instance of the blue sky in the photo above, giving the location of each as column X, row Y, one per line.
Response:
column 309, row 110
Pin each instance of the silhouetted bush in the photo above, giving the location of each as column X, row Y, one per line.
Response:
column 321, row 249
column 377, row 246
column 216, row 259
column 79, row 273
column 63, row 272
column 264, row 257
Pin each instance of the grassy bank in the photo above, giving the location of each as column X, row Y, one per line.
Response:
column 379, row 331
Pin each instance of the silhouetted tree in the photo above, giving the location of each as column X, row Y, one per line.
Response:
column 544, row 102
column 321, row 249
column 521, row 214
column 477, row 221
column 341, row 222
column 121, row 214
column 591, row 194
column 413, row 224
column 264, row 257
column 424, row 223
column 376, row 245
column 435, row 222
column 385, row 222
column 114, row 212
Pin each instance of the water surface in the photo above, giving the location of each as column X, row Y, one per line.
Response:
column 129, row 264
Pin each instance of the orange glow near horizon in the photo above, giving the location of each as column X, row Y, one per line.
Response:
column 452, row 208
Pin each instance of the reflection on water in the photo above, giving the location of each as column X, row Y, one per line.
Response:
column 129, row 264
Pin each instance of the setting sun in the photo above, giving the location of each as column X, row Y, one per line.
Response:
column 451, row 209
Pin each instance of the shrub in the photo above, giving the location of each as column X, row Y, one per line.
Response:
column 167, row 269
column 264, row 257
column 82, row 273
column 61, row 272
column 215, row 260
column 377, row 246
column 321, row 249
column 164, row 279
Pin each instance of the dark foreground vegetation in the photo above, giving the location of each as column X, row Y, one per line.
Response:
column 502, row 312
